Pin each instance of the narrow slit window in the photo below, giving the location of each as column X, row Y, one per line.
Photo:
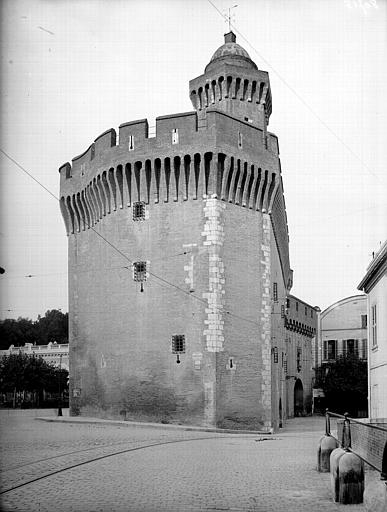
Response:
column 139, row 210
column 299, row 360
column 131, row 142
column 240, row 140
column 139, row 271
column 178, row 344
column 175, row 136
column 275, row 292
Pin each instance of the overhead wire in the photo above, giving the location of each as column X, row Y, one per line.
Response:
column 298, row 96
column 115, row 248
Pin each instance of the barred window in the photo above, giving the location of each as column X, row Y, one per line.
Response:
column 139, row 271
column 178, row 344
column 139, row 210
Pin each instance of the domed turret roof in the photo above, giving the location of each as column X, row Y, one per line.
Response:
column 232, row 53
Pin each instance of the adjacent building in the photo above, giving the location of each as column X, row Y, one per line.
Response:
column 300, row 322
column 374, row 284
column 179, row 262
column 343, row 330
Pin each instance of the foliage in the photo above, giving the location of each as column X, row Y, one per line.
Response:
column 20, row 372
column 344, row 383
column 53, row 326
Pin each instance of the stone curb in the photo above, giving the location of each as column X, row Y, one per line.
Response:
column 167, row 426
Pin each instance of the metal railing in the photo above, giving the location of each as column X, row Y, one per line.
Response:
column 366, row 440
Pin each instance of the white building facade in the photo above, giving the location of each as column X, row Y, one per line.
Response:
column 374, row 284
column 54, row 353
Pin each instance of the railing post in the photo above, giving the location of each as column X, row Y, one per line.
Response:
column 327, row 423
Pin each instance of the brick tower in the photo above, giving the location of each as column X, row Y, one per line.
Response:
column 178, row 258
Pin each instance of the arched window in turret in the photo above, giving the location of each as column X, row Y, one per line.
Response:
column 228, row 87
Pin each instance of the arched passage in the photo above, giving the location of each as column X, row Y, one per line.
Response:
column 298, row 398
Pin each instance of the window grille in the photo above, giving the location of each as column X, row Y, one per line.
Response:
column 139, row 210
column 178, row 344
column 139, row 271
column 275, row 292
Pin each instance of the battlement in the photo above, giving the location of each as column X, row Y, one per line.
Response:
column 175, row 131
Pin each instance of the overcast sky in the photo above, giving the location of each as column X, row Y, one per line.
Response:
column 73, row 69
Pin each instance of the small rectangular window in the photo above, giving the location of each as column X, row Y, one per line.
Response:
column 296, row 306
column 175, row 136
column 131, row 142
column 363, row 321
column 139, row 271
column 275, row 292
column 306, row 311
column 240, row 139
column 139, row 210
column 178, row 344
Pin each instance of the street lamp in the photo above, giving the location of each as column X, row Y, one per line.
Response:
column 60, row 391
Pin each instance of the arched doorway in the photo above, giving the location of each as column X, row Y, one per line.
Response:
column 298, row 398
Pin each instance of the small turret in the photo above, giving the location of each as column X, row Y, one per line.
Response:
column 233, row 83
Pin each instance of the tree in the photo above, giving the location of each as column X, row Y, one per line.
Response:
column 53, row 326
column 20, row 372
column 344, row 383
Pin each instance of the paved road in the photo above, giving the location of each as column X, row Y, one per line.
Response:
column 194, row 471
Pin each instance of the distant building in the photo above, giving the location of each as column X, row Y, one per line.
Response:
column 343, row 330
column 54, row 353
column 374, row 284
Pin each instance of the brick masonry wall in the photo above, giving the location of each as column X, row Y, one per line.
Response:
column 120, row 348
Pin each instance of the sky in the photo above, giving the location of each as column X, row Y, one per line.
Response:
column 72, row 69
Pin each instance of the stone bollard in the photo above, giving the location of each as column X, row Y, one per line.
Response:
column 351, row 479
column 334, row 468
column 326, row 446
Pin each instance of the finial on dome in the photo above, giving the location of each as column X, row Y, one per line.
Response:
column 230, row 37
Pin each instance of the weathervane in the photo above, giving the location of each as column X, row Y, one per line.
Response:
column 230, row 16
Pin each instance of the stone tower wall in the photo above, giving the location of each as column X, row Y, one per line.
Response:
column 206, row 239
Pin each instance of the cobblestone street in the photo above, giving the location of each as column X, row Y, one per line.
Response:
column 166, row 469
